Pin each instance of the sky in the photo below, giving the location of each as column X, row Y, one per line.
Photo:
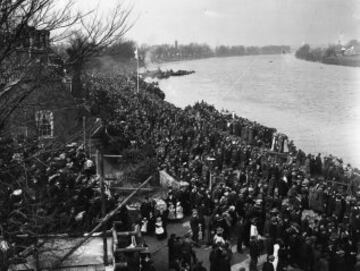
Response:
column 238, row 22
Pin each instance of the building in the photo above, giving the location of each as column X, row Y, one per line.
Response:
column 35, row 93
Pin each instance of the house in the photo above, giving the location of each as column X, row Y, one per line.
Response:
column 46, row 111
column 36, row 95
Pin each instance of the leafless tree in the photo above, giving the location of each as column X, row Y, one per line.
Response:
column 86, row 36
column 93, row 36
column 17, row 15
column 16, row 18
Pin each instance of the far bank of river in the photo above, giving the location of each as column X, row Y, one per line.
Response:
column 349, row 61
column 316, row 105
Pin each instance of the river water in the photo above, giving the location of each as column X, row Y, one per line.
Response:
column 316, row 105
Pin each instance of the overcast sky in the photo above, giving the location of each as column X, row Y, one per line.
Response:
column 247, row 22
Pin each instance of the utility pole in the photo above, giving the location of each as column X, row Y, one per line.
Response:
column 137, row 75
column 100, row 172
column 136, row 53
column 84, row 132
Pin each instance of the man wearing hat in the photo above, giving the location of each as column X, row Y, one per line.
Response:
column 146, row 263
column 196, row 223
column 240, row 234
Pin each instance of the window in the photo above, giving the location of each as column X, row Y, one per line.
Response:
column 37, row 38
column 45, row 123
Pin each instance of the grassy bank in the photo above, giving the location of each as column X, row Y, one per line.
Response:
column 351, row 61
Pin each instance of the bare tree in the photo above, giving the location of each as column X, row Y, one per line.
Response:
column 17, row 19
column 93, row 36
column 30, row 214
column 17, row 15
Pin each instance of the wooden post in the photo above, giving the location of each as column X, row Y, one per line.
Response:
column 100, row 172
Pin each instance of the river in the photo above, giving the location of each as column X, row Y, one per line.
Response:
column 316, row 105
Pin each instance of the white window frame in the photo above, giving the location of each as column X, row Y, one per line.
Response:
column 45, row 129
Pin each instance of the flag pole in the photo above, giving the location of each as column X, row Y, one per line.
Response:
column 137, row 71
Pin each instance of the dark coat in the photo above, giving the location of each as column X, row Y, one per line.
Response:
column 254, row 249
column 268, row 267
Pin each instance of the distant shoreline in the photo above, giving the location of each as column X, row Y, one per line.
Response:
column 333, row 55
column 161, row 61
column 346, row 61
column 349, row 61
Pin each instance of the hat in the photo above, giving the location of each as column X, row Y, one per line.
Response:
column 274, row 210
column 305, row 182
column 17, row 192
column 219, row 230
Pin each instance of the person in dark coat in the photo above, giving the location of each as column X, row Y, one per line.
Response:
column 147, row 265
column 254, row 252
column 268, row 265
column 212, row 257
column 177, row 248
column 171, row 245
column 199, row 267
column 145, row 208
column 220, row 259
column 246, row 232
column 240, row 240
column 323, row 262
column 268, row 244
column 282, row 254
column 187, row 253
column 194, row 223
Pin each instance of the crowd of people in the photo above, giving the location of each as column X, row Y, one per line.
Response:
column 301, row 210
column 63, row 186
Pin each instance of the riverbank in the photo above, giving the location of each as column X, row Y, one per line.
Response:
column 333, row 55
column 350, row 61
column 159, row 74
column 276, row 90
column 167, row 116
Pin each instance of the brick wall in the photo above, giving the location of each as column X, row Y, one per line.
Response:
column 54, row 97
